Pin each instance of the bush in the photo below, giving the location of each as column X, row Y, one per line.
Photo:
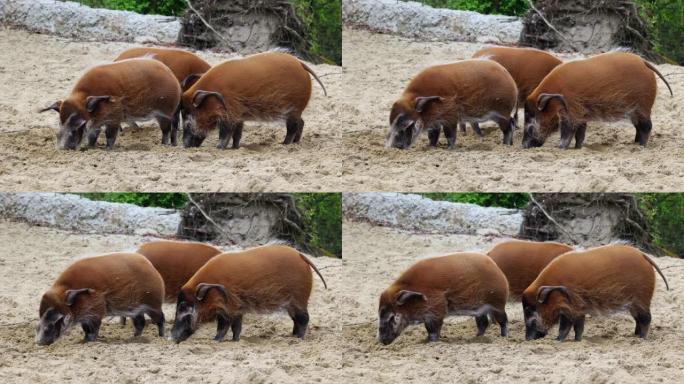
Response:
column 323, row 21
column 505, row 200
column 162, row 200
column 665, row 19
column 498, row 7
column 323, row 217
column 664, row 213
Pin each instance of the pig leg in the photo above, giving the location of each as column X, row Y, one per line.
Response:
column 564, row 327
column 433, row 136
column 450, row 133
column 462, row 127
column 506, row 126
column 138, row 324
column 580, row 132
column 579, row 328
column 300, row 130
column 478, row 131
column 91, row 328
column 237, row 135
column 643, row 127
column 157, row 317
column 166, row 128
column 111, row 131
column 566, row 132
column 643, row 322
column 482, row 323
column 433, row 327
column 226, row 130
column 301, row 321
column 222, row 325
column 175, row 123
column 502, row 319
column 122, row 320
column 293, row 125
column 93, row 134
column 236, row 326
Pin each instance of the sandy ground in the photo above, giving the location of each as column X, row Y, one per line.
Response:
column 380, row 66
column 340, row 346
column 42, row 69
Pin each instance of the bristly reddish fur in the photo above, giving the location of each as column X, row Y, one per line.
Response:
column 177, row 261
column 527, row 66
column 182, row 63
column 459, row 284
column 597, row 281
column 611, row 86
column 521, row 261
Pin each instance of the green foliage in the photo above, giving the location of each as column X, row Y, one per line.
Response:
column 665, row 19
column 323, row 217
column 154, row 7
column 505, row 200
column 664, row 213
column 323, row 21
column 163, row 200
column 497, row 7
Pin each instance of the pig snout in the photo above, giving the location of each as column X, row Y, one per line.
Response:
column 182, row 329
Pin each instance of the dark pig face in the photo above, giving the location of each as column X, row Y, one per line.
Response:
column 533, row 326
column 51, row 325
column 542, row 309
column 185, row 322
column 406, row 121
column 543, row 117
column 201, row 114
column 396, row 313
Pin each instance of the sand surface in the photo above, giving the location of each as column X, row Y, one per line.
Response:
column 40, row 69
column 380, row 66
column 341, row 344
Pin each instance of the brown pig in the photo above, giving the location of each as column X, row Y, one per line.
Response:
column 264, row 87
column 527, row 66
column 521, row 261
column 465, row 284
column 263, row 279
column 186, row 66
column 117, row 284
column 608, row 87
column 109, row 94
column 602, row 280
column 177, row 261
column 445, row 95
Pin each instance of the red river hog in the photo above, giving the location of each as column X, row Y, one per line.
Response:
column 602, row 280
column 186, row 66
column 263, row 87
column 444, row 95
column 608, row 87
column 117, row 284
column 263, row 280
column 109, row 94
column 177, row 261
column 527, row 66
column 521, row 261
column 463, row 284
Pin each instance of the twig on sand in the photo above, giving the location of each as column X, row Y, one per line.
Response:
column 205, row 215
column 205, row 22
column 547, row 22
column 552, row 219
column 361, row 323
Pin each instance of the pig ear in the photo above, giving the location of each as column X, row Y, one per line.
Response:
column 544, row 291
column 423, row 101
column 190, row 81
column 544, row 98
column 71, row 295
column 55, row 107
column 199, row 96
column 203, row 288
column 92, row 101
column 404, row 296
